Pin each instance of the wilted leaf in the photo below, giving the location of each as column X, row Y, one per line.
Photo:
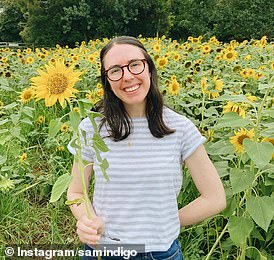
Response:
column 60, row 186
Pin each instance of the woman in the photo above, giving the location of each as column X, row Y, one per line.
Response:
column 148, row 144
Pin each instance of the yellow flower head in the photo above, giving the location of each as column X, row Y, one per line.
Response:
column 157, row 47
column 248, row 73
column 174, row 87
column 206, row 49
column 41, row 119
column 233, row 107
column 162, row 62
column 55, row 83
column 64, row 128
column 238, row 138
column 26, row 95
column 29, row 60
column 23, row 157
column 230, row 55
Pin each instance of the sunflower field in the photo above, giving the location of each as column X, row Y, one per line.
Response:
column 226, row 89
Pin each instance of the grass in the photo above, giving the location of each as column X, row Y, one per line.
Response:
column 28, row 221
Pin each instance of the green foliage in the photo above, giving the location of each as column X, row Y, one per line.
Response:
column 10, row 22
column 244, row 230
column 243, row 19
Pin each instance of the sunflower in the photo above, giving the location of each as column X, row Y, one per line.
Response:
column 162, row 62
column 29, row 60
column 26, row 95
column 91, row 58
column 206, row 49
column 60, row 148
column 230, row 55
column 41, row 119
column 218, row 87
column 232, row 107
column 76, row 109
column 176, row 56
column 248, row 73
column 174, row 87
column 23, row 157
column 157, row 47
column 55, row 83
column 238, row 138
column 64, row 128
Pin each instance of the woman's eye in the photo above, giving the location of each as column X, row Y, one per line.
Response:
column 115, row 70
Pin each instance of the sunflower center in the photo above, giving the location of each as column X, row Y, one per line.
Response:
column 27, row 95
column 241, row 138
column 229, row 55
column 57, row 84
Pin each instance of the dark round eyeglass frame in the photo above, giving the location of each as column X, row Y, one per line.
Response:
column 122, row 69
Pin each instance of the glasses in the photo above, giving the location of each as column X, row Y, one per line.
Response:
column 135, row 67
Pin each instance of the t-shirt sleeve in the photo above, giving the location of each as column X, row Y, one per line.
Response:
column 191, row 139
column 86, row 134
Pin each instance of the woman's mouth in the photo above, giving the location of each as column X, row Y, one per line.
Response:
column 133, row 88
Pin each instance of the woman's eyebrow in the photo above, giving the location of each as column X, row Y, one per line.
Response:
column 116, row 65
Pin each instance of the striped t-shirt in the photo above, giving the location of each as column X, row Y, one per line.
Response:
column 139, row 202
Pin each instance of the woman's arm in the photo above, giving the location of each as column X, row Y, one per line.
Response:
column 89, row 231
column 212, row 197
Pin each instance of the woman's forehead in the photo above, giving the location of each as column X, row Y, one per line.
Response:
column 121, row 54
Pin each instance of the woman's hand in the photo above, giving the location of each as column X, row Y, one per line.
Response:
column 90, row 230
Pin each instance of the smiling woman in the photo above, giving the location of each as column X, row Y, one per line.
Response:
column 147, row 145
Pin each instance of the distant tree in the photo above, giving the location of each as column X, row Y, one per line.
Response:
column 192, row 17
column 11, row 18
column 235, row 19
column 43, row 22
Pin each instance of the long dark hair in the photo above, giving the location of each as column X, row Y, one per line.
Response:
column 117, row 120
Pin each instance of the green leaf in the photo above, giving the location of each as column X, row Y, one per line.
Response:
column 99, row 143
column 3, row 83
column 28, row 111
column 241, row 179
column 26, row 121
column 259, row 153
column 74, row 120
column 233, row 98
column 261, row 210
column 3, row 158
column 104, row 165
column 222, row 168
column 232, row 119
column 231, row 205
column 60, row 187
column 2, row 122
column 239, row 229
column 220, row 148
column 10, row 106
column 54, row 127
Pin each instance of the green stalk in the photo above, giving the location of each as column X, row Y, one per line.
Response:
column 216, row 242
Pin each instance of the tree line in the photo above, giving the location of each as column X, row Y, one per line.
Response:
column 46, row 23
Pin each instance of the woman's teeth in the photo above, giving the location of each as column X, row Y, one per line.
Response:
column 132, row 88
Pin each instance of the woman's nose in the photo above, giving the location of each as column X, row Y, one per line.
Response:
column 127, row 74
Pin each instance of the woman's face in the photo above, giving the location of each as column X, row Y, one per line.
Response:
column 130, row 89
